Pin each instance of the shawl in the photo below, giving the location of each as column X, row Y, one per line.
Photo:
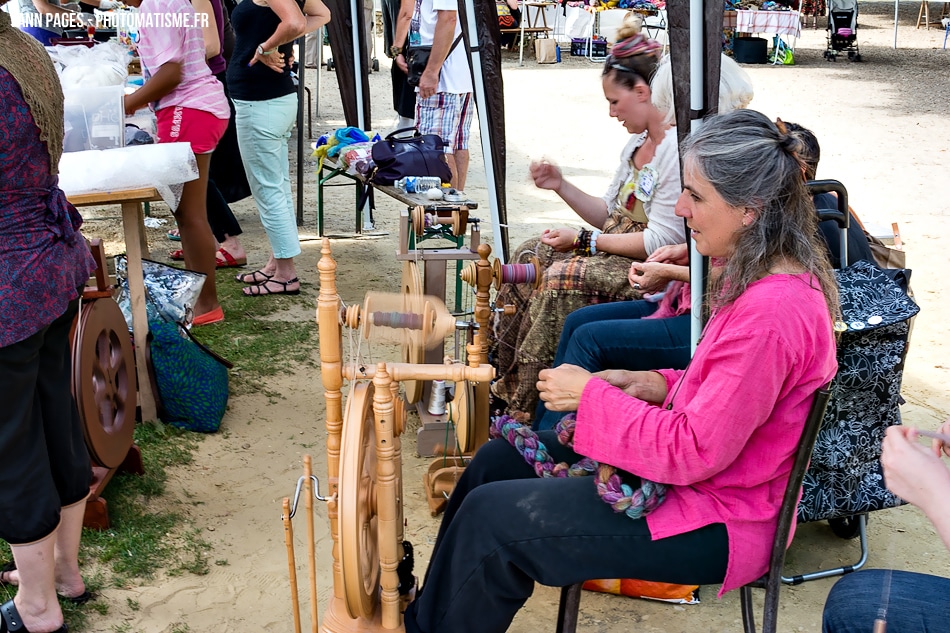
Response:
column 25, row 58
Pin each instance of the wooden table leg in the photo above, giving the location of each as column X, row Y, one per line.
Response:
column 136, row 245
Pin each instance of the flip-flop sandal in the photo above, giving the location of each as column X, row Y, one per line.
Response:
column 4, row 570
column 224, row 259
column 256, row 277
column 177, row 255
column 262, row 289
column 173, row 235
column 10, row 566
column 10, row 620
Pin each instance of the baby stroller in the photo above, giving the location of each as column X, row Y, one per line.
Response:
column 843, row 29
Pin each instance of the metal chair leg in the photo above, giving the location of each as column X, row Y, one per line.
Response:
column 568, row 608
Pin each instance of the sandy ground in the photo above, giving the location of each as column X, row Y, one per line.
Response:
column 885, row 133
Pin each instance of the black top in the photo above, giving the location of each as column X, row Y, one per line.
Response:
column 252, row 25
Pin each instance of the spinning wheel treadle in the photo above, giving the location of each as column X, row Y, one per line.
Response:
column 359, row 534
column 104, row 381
column 412, row 350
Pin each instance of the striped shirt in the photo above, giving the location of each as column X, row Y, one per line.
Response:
column 163, row 41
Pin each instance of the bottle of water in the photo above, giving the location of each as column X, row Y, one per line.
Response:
column 418, row 184
column 557, row 53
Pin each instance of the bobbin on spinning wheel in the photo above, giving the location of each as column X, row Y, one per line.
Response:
column 359, row 553
column 456, row 218
column 103, row 381
column 388, row 317
column 461, row 413
column 412, row 352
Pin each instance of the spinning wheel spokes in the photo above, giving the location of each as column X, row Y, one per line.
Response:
column 359, row 549
column 104, row 381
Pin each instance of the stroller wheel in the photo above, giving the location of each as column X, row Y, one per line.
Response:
column 851, row 55
column 845, row 527
column 857, row 57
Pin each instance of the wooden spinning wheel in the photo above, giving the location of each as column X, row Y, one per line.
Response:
column 359, row 552
column 461, row 413
column 104, row 381
column 412, row 351
column 456, row 218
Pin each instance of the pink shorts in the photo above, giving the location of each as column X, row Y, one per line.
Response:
column 177, row 124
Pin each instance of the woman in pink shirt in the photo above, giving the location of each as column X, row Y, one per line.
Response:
column 719, row 437
column 190, row 107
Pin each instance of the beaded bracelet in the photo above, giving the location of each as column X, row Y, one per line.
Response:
column 582, row 243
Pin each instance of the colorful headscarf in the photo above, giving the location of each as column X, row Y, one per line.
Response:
column 637, row 44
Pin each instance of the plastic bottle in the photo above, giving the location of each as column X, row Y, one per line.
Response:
column 557, row 53
column 418, row 184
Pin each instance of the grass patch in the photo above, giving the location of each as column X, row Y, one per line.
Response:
column 259, row 344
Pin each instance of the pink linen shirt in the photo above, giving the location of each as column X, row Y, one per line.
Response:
column 170, row 31
column 727, row 444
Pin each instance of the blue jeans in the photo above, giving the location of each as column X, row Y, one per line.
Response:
column 916, row 603
column 263, row 128
column 617, row 336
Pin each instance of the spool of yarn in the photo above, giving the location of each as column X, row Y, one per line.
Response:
column 518, row 273
column 437, row 398
column 408, row 320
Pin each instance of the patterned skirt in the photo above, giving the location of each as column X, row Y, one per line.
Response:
column 525, row 343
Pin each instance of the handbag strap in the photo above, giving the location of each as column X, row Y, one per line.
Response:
column 206, row 349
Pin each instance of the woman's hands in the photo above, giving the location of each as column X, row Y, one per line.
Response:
column 648, row 276
column 274, row 61
column 560, row 388
column 672, row 254
column 912, row 471
column 561, row 240
column 648, row 386
column 546, row 175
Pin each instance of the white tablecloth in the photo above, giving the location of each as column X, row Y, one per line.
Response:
column 777, row 22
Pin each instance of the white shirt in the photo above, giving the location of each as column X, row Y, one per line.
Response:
column 456, row 77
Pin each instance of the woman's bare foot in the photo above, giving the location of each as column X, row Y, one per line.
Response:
column 234, row 248
column 69, row 588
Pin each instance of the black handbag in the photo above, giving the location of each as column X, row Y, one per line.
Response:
column 416, row 155
column 417, row 58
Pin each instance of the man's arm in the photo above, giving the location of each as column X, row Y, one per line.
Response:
column 441, row 43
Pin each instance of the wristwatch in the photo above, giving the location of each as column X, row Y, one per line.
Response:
column 261, row 51
column 395, row 51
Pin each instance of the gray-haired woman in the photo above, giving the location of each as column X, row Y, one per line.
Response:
column 720, row 438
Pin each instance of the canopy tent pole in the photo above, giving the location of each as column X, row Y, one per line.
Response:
column 897, row 4
column 481, row 107
column 356, row 18
column 302, row 51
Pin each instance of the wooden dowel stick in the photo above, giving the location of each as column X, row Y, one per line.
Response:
column 291, row 565
column 308, row 490
column 933, row 434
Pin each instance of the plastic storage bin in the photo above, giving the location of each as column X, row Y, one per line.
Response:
column 94, row 118
column 750, row 50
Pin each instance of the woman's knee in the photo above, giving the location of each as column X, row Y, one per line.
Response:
column 853, row 602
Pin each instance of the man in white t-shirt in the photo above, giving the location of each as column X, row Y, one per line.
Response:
column 444, row 103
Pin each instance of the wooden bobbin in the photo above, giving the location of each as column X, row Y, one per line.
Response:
column 532, row 261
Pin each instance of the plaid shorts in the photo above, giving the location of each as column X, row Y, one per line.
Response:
column 448, row 115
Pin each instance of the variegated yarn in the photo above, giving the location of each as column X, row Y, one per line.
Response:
column 620, row 496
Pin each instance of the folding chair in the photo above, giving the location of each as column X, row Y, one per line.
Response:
column 772, row 581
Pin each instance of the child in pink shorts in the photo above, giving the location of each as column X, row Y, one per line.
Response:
column 191, row 108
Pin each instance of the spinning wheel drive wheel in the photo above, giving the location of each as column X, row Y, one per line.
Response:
column 462, row 414
column 103, row 381
column 412, row 350
column 359, row 549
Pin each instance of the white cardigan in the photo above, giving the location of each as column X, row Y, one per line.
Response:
column 663, row 226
